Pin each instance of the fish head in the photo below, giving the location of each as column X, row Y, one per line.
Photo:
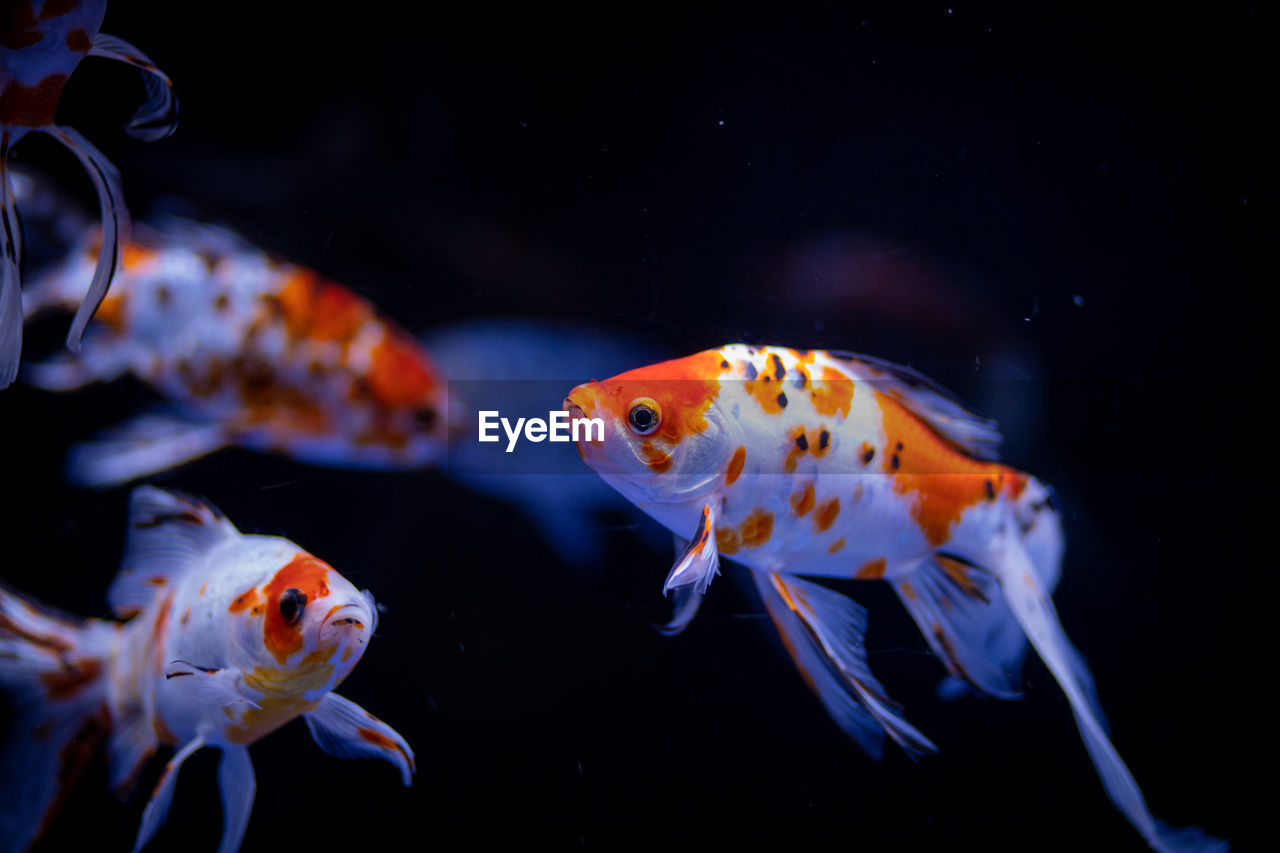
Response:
column 665, row 435
column 410, row 398
column 303, row 628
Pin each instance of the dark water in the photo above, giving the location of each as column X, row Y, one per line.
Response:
column 1056, row 214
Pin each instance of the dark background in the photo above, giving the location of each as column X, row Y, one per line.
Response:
column 1065, row 203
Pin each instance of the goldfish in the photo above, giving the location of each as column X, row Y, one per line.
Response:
column 42, row 42
column 246, row 350
column 837, row 465
column 223, row 638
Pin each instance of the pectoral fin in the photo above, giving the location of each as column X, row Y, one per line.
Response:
column 345, row 730
column 699, row 562
column 219, row 687
column 158, row 806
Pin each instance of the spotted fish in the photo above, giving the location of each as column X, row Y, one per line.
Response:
column 42, row 42
column 225, row 638
column 842, row 466
column 247, row 350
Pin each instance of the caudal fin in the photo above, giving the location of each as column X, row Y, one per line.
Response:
column 1023, row 583
column 55, row 672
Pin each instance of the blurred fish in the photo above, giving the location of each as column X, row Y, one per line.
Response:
column 522, row 367
column 248, row 351
column 227, row 637
column 844, row 466
column 41, row 44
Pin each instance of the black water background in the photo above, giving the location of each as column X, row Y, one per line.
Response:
column 915, row 183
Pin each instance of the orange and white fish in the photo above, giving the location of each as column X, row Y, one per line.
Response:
column 248, row 351
column 842, row 466
column 226, row 638
column 41, row 44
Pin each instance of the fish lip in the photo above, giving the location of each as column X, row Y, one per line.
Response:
column 344, row 619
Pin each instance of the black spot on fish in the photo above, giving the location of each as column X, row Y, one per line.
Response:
column 779, row 369
column 802, row 381
column 724, row 365
column 749, row 371
column 894, row 462
column 802, row 442
column 991, row 490
column 899, row 445
column 782, row 399
column 824, row 438
column 868, row 456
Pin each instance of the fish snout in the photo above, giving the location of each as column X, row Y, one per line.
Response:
column 347, row 622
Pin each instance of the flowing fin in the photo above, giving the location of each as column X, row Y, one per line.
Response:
column 54, row 670
column 939, row 408
column 10, row 285
column 151, row 443
column 218, row 687
column 687, row 602
column 67, row 372
column 131, row 742
column 1035, row 612
column 115, row 225
column 959, row 609
column 238, row 786
column 158, row 806
column 168, row 533
column 345, row 730
column 158, row 116
column 700, row 561
column 824, row 631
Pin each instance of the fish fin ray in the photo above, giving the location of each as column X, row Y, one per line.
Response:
column 158, row 115
column 162, row 796
column 11, row 317
column 939, row 408
column 700, row 561
column 345, row 730
column 168, row 533
column 238, row 787
column 151, row 443
column 823, row 631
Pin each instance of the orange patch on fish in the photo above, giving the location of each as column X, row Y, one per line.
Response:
column 755, row 530
column 134, row 257
column 943, row 481
column 908, row 591
column 306, row 574
column 380, row 740
column 657, row 459
column 832, row 393
column 826, row 513
column 735, row 466
column 321, row 310
column 802, row 502
column 683, row 388
column 243, row 601
column 401, row 374
column 73, row 677
column 836, row 546
column 871, row 570
column 111, row 312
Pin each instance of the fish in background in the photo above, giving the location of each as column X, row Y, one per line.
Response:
column 225, row 638
column 41, row 44
column 246, row 350
column 519, row 368
column 837, row 465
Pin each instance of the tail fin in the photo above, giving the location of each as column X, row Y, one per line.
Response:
column 1023, row 581
column 55, row 671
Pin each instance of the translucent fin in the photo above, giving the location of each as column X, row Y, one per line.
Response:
column 147, row 445
column 823, row 631
column 10, row 286
column 960, row 612
column 53, row 668
column 345, row 730
column 687, row 601
column 168, row 533
column 238, row 787
column 699, row 562
column 115, row 225
column 939, row 408
column 67, row 372
column 158, row 806
column 1035, row 612
column 158, row 116
column 220, row 688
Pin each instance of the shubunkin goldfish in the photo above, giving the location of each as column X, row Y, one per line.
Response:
column 247, row 350
column 842, row 466
column 226, row 638
column 42, row 42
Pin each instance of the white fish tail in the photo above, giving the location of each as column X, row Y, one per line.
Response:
column 55, row 671
column 1026, row 583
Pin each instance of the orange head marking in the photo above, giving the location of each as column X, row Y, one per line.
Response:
column 303, row 581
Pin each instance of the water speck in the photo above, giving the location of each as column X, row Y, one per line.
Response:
column 720, row 123
column 1078, row 300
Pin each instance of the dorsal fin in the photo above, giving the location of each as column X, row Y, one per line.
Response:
column 936, row 406
column 168, row 533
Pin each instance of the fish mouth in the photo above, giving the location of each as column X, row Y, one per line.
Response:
column 346, row 621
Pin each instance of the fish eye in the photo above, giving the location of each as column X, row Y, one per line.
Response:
column 292, row 603
column 425, row 418
column 644, row 416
